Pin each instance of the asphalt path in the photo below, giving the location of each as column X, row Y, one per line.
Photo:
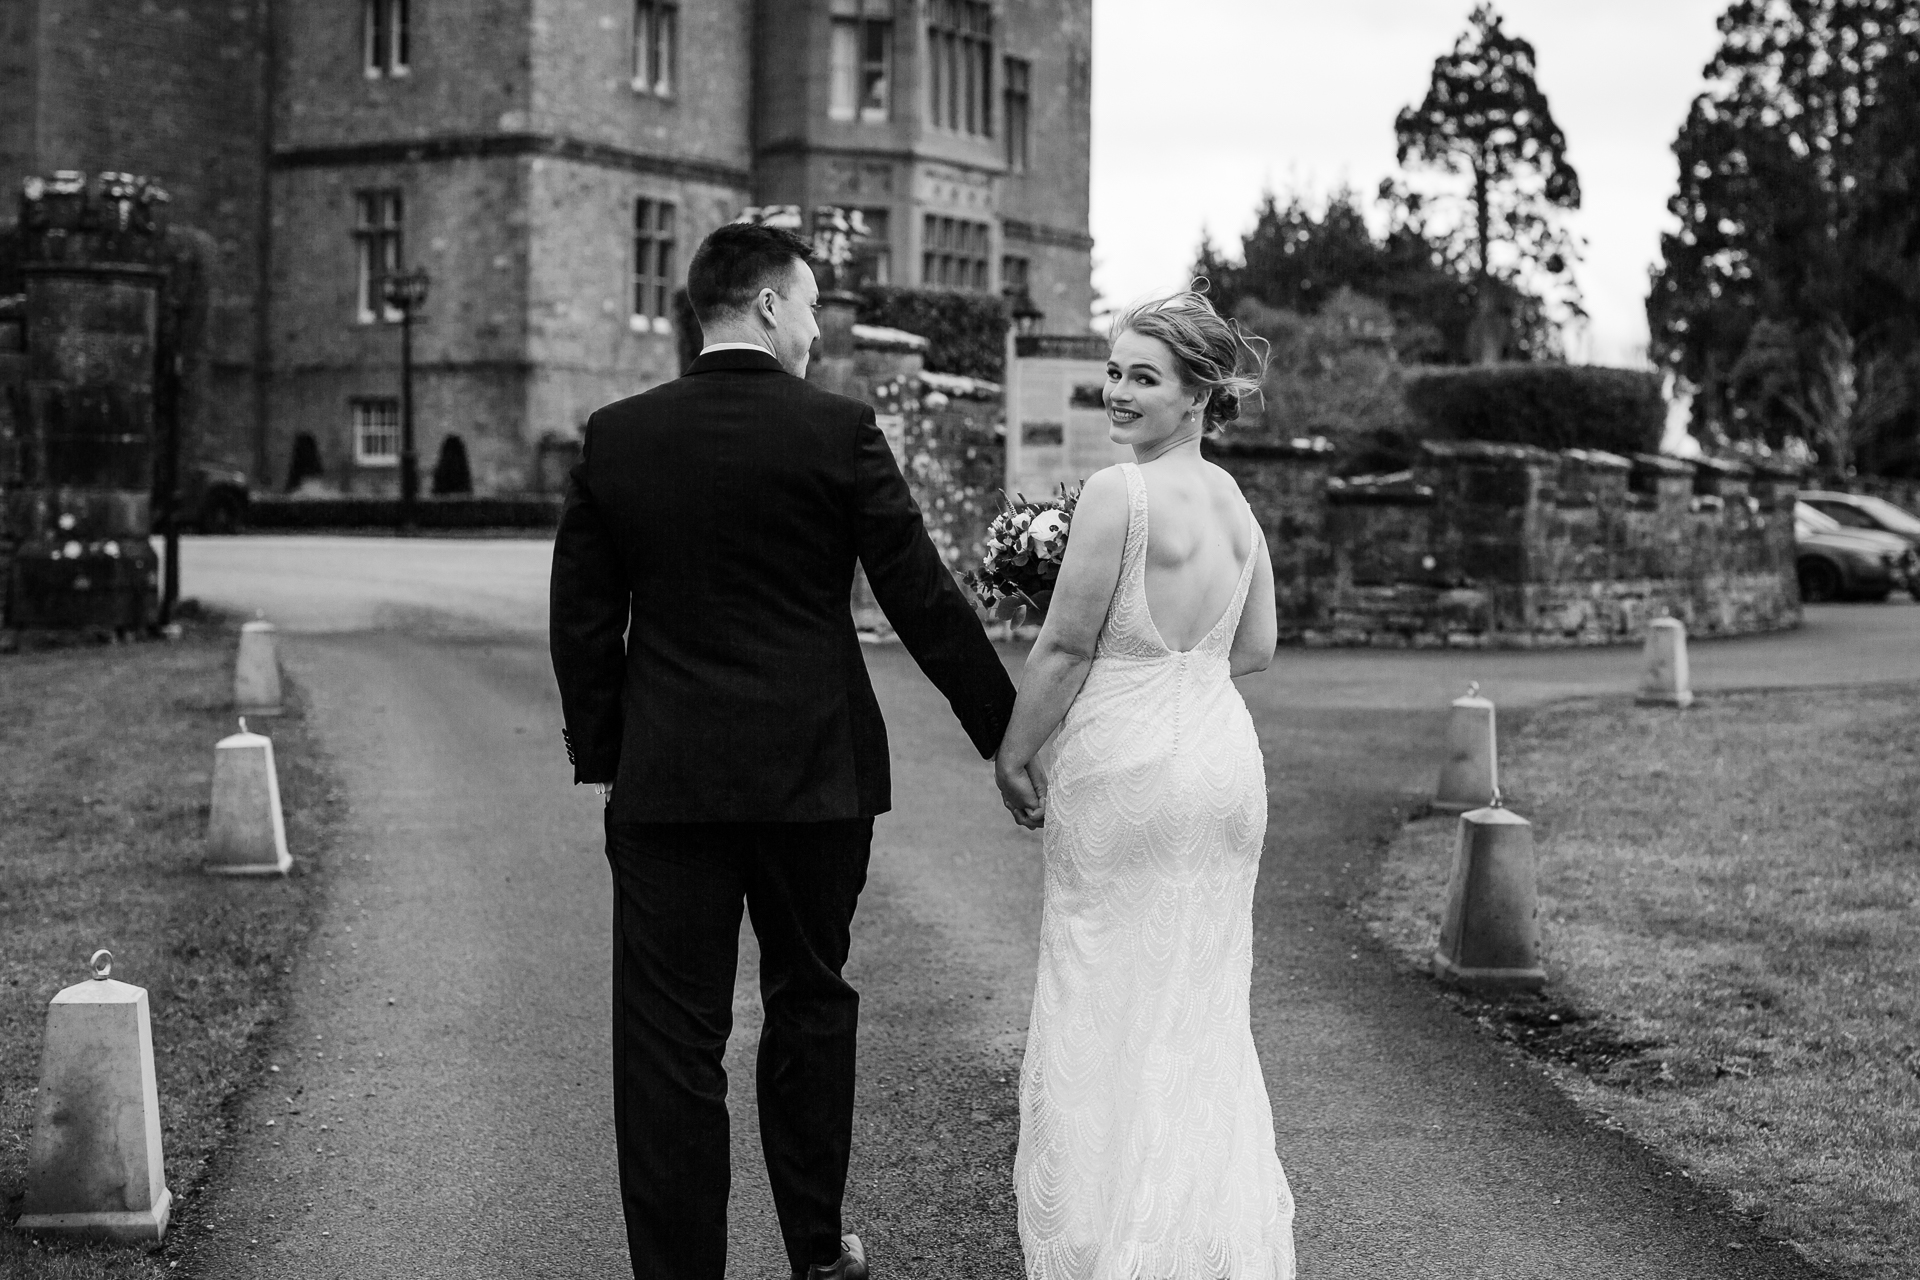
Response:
column 449, row 1022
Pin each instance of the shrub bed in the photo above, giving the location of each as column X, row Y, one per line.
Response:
column 953, row 456
column 266, row 512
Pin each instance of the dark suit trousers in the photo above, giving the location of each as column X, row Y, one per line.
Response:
column 678, row 893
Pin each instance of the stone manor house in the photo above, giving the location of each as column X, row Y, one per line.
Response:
column 551, row 164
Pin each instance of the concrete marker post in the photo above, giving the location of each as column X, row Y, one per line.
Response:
column 246, row 833
column 95, row 1166
column 256, row 671
column 1469, row 776
column 1490, row 932
column 1667, row 681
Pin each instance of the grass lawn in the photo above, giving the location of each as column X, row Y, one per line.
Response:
column 107, row 753
column 1730, row 916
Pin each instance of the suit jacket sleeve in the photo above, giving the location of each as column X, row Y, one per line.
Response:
column 588, row 609
column 920, row 598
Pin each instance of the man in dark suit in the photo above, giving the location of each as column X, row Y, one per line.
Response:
column 714, row 687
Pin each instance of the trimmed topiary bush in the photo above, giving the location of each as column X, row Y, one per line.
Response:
column 966, row 333
column 451, row 473
column 1550, row 406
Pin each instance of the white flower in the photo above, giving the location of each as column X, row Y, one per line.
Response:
column 1048, row 528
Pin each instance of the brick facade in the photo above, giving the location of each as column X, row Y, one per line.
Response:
column 518, row 142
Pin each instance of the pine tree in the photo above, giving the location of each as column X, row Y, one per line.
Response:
column 1789, row 297
column 1485, row 118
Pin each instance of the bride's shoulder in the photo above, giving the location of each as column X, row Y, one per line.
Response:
column 1105, row 485
column 1103, row 499
column 1227, row 492
column 1221, row 481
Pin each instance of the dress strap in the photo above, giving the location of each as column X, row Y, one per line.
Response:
column 1253, row 549
column 1229, row 622
column 1134, row 557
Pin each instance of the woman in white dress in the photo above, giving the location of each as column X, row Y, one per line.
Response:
column 1146, row 1138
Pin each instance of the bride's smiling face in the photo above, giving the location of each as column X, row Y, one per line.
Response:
column 1146, row 405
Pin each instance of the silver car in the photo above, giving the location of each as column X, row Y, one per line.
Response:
column 1835, row 562
column 1863, row 511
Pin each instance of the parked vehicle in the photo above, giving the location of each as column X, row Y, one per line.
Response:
column 213, row 499
column 1836, row 562
column 1863, row 511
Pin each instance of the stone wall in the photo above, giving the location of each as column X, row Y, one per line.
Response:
column 1485, row 545
column 947, row 434
column 1480, row 545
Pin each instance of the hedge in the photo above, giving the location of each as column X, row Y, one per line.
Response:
column 511, row 512
column 1550, row 406
column 966, row 333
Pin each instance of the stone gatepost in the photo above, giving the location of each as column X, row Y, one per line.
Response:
column 832, row 365
column 1490, row 524
column 1388, row 587
column 80, row 508
column 1665, row 541
column 1773, row 488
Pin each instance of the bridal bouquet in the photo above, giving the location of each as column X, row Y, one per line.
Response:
column 1025, row 544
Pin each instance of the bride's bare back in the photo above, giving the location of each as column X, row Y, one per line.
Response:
column 1198, row 540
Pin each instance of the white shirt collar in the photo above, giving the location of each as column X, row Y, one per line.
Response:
column 734, row 346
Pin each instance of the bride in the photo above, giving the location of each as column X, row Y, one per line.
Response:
column 1146, row 1138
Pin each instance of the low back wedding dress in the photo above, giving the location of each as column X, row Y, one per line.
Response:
column 1146, row 1138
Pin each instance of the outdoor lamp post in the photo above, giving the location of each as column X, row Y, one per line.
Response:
column 406, row 293
column 1026, row 316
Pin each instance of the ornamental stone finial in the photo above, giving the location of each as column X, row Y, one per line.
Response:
column 119, row 217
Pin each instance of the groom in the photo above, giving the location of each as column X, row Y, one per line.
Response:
column 714, row 687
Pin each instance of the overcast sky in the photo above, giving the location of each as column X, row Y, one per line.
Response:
column 1200, row 105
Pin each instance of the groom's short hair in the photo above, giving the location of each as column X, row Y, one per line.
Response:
column 736, row 262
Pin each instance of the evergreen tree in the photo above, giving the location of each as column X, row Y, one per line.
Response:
column 1222, row 277
column 1789, row 297
column 1485, row 119
column 1297, row 259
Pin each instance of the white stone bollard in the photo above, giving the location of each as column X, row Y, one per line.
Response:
column 1667, row 682
column 1470, row 774
column 246, row 835
column 1490, row 934
column 256, row 671
column 94, row 1168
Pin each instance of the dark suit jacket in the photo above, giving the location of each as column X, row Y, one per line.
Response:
column 723, row 513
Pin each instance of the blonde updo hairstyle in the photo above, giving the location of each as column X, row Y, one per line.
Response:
column 1208, row 352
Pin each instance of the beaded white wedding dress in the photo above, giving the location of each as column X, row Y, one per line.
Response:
column 1146, row 1138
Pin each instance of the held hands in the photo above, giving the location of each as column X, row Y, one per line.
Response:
column 1022, row 790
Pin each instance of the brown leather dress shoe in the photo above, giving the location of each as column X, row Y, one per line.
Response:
column 851, row 1266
